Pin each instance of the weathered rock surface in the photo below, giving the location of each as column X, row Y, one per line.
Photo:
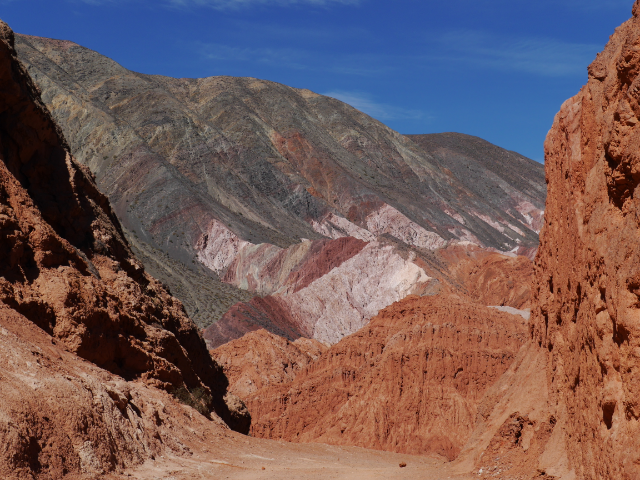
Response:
column 62, row 417
column 518, row 433
column 586, row 311
column 410, row 381
column 236, row 173
column 260, row 359
column 489, row 278
column 580, row 420
column 64, row 263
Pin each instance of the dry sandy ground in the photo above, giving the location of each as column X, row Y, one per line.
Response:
column 243, row 458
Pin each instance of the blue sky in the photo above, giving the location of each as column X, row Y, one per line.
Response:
column 498, row 69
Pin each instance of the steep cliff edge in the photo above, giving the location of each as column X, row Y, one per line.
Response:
column 586, row 305
column 64, row 263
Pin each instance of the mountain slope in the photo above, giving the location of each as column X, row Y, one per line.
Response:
column 236, row 174
column 282, row 157
column 489, row 171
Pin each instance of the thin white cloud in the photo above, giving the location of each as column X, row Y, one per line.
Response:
column 292, row 58
column 288, row 57
column 240, row 4
column 541, row 56
column 545, row 4
column 382, row 111
column 98, row 3
column 597, row 4
column 225, row 4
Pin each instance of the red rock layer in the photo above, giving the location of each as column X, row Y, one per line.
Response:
column 260, row 359
column 324, row 256
column 489, row 278
column 259, row 313
column 586, row 306
column 408, row 382
column 65, row 266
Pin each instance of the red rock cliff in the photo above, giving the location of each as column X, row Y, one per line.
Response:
column 408, row 382
column 64, row 263
column 586, row 293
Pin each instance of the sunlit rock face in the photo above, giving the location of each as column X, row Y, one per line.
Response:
column 410, row 381
column 260, row 359
column 586, row 291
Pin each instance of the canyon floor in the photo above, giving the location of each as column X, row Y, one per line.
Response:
column 242, row 458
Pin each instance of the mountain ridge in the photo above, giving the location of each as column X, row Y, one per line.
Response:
column 250, row 179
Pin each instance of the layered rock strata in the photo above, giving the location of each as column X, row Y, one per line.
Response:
column 586, row 308
column 310, row 302
column 337, row 303
column 237, row 173
column 64, row 263
column 486, row 170
column 410, row 381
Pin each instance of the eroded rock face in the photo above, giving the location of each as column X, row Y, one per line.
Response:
column 489, row 278
column 518, row 432
column 586, row 309
column 63, row 417
column 260, row 359
column 410, row 381
column 65, row 265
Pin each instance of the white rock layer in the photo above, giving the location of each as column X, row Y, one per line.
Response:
column 344, row 300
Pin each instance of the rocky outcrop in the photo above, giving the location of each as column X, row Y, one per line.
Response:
column 62, row 417
column 489, row 278
column 235, row 174
column 64, row 263
column 410, row 381
column 585, row 307
column 260, row 359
